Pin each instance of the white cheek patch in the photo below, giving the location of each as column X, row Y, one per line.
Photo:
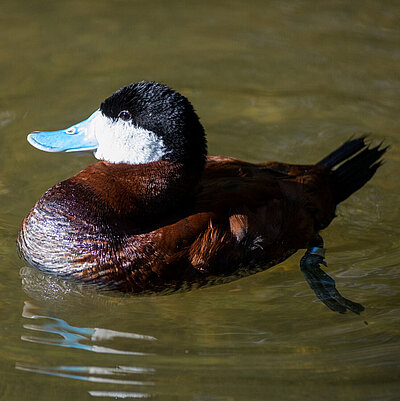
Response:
column 122, row 142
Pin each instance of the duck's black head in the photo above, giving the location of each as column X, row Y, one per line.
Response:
column 166, row 115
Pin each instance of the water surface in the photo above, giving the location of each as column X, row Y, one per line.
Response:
column 283, row 80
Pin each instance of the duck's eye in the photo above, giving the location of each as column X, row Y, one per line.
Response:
column 124, row 115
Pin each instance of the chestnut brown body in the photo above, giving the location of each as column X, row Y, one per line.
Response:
column 157, row 227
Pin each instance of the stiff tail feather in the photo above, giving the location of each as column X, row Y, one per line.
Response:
column 352, row 164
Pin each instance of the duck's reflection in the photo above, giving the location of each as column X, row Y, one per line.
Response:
column 83, row 338
column 85, row 373
column 72, row 336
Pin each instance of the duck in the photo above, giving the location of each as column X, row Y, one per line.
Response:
column 156, row 214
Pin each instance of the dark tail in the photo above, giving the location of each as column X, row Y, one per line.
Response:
column 352, row 165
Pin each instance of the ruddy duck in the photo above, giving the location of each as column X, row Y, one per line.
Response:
column 157, row 214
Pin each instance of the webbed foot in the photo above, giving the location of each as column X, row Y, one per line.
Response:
column 322, row 284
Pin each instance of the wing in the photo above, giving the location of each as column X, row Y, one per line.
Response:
column 247, row 214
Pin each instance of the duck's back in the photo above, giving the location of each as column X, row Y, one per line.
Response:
column 262, row 212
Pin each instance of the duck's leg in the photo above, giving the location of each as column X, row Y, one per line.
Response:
column 322, row 284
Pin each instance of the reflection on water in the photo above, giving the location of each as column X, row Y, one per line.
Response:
column 74, row 337
column 71, row 336
column 118, row 394
column 68, row 372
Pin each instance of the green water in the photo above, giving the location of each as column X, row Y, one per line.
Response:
column 285, row 80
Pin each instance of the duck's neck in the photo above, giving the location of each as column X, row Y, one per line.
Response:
column 140, row 191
